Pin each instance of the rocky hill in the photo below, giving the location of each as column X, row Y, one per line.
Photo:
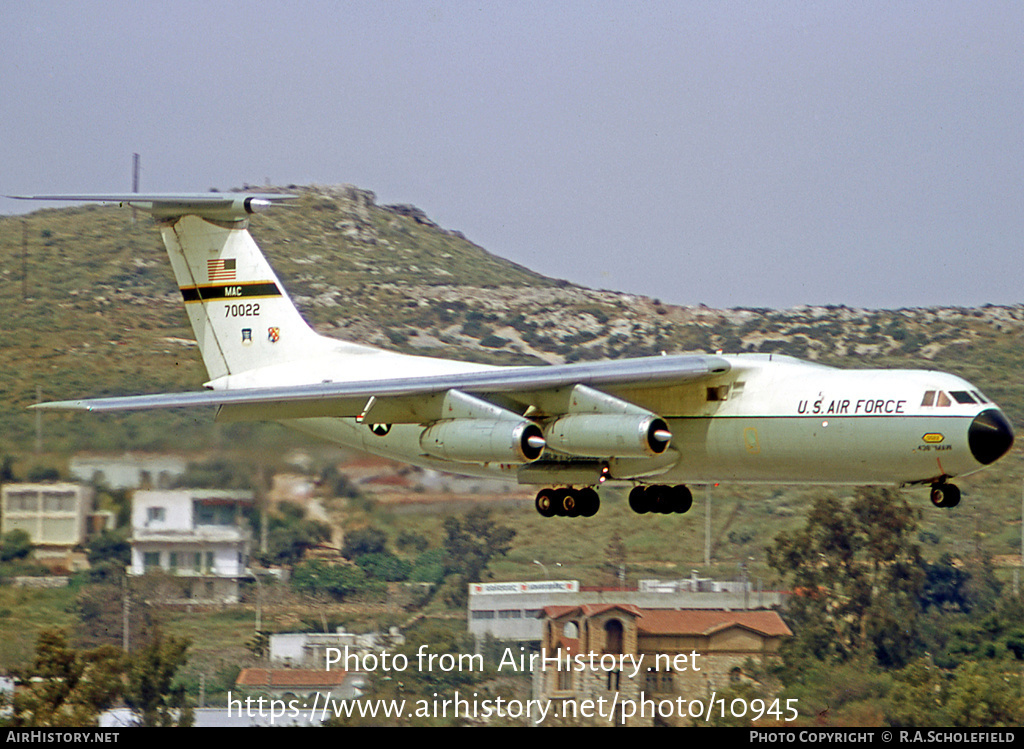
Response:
column 90, row 307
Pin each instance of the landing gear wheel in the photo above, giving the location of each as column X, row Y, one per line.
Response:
column 682, row 499
column 566, row 504
column 638, row 501
column 589, row 502
column 545, row 503
column 661, row 499
column 945, row 495
column 664, row 500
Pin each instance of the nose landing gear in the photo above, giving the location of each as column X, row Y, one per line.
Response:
column 945, row 495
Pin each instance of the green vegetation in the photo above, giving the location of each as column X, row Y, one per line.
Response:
column 15, row 544
column 65, row 687
column 882, row 637
column 290, row 534
column 469, row 544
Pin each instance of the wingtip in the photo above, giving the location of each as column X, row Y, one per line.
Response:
column 61, row 406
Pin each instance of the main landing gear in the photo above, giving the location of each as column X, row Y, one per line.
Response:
column 661, row 499
column 945, row 495
column 568, row 502
column 571, row 503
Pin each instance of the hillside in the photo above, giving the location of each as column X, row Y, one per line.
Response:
column 91, row 308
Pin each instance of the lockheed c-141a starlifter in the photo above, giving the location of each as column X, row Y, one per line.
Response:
column 656, row 423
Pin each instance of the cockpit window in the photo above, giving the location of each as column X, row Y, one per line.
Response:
column 939, row 399
column 981, row 398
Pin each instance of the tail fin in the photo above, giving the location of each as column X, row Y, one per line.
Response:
column 241, row 315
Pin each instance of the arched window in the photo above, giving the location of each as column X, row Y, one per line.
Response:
column 613, row 636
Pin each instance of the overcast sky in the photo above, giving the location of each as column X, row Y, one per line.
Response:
column 728, row 153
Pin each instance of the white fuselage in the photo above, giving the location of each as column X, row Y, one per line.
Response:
column 770, row 419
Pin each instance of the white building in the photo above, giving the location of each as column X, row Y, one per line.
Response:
column 309, row 649
column 198, row 539
column 55, row 516
column 128, row 471
column 511, row 610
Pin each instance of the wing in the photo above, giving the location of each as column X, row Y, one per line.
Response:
column 415, row 399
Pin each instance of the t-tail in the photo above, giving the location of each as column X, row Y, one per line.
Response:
column 242, row 316
column 240, row 312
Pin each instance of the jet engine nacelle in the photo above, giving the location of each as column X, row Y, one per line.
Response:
column 483, row 441
column 608, row 435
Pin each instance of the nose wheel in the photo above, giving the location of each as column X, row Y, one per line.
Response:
column 945, row 495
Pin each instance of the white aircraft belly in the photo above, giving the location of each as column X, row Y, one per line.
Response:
column 820, row 450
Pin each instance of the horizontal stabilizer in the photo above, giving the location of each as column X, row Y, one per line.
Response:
column 233, row 206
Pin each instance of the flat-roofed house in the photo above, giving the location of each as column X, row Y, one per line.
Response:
column 197, row 540
column 55, row 517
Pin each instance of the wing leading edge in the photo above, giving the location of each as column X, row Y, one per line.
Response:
column 350, row 399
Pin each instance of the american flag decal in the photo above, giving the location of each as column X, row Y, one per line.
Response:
column 220, row 270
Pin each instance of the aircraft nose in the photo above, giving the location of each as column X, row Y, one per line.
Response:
column 990, row 436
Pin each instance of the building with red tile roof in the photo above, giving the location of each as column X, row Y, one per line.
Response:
column 622, row 652
column 300, row 683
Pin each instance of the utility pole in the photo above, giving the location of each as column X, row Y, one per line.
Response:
column 135, row 181
column 24, row 260
column 39, row 421
column 125, row 615
column 707, row 525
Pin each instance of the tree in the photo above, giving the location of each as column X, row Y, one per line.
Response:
column 108, row 554
column 66, row 687
column 972, row 695
column 7, row 469
column 384, row 566
column 16, row 544
column 945, row 584
column 412, row 541
column 363, row 541
column 857, row 578
column 291, row 533
column 470, row 544
column 152, row 694
column 220, row 473
column 429, row 567
column 337, row 580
